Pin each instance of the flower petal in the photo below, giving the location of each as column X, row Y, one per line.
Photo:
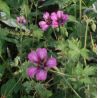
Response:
column 24, row 21
column 65, row 17
column 42, row 53
column 31, row 71
column 55, row 24
column 54, row 16
column 18, row 19
column 43, row 25
column 32, row 56
column 46, row 15
column 52, row 62
column 41, row 75
column 60, row 14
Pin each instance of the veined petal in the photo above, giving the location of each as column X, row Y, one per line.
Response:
column 65, row 17
column 18, row 19
column 46, row 15
column 42, row 53
column 52, row 62
column 41, row 75
column 60, row 14
column 32, row 56
column 55, row 24
column 31, row 71
column 43, row 25
column 54, row 16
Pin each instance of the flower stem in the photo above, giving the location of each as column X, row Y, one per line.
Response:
column 2, row 58
column 85, row 41
column 32, row 2
column 92, row 42
column 72, row 88
column 62, row 74
column 55, row 34
column 80, row 8
column 36, row 11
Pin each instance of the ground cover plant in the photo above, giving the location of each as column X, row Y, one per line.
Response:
column 48, row 48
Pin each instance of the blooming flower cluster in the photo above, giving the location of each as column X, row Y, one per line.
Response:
column 55, row 19
column 21, row 20
column 42, row 61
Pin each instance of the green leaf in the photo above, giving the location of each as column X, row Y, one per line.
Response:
column 23, row 68
column 78, row 69
column 89, row 70
column 1, row 70
column 4, row 7
column 74, row 49
column 27, row 96
column 58, row 94
column 48, row 2
column 7, row 87
column 42, row 91
column 82, row 74
column 3, row 35
column 85, row 80
column 37, row 33
column 61, row 3
column 72, row 19
column 84, row 53
column 28, row 86
column 12, row 23
column 25, row 10
column 3, row 15
column 64, row 31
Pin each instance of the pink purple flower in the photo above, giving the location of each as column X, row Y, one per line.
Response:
column 21, row 20
column 55, row 19
column 54, row 16
column 45, row 24
column 42, row 61
column 42, row 53
column 52, row 62
column 46, row 16
column 31, row 71
column 55, row 24
column 18, row 19
column 59, row 17
column 41, row 75
column 32, row 56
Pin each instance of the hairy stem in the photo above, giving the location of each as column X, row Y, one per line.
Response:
column 62, row 74
column 36, row 11
column 85, row 41
column 80, row 8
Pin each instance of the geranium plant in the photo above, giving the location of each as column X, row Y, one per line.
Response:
column 48, row 48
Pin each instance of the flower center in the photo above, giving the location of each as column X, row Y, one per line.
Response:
column 60, row 21
column 48, row 21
